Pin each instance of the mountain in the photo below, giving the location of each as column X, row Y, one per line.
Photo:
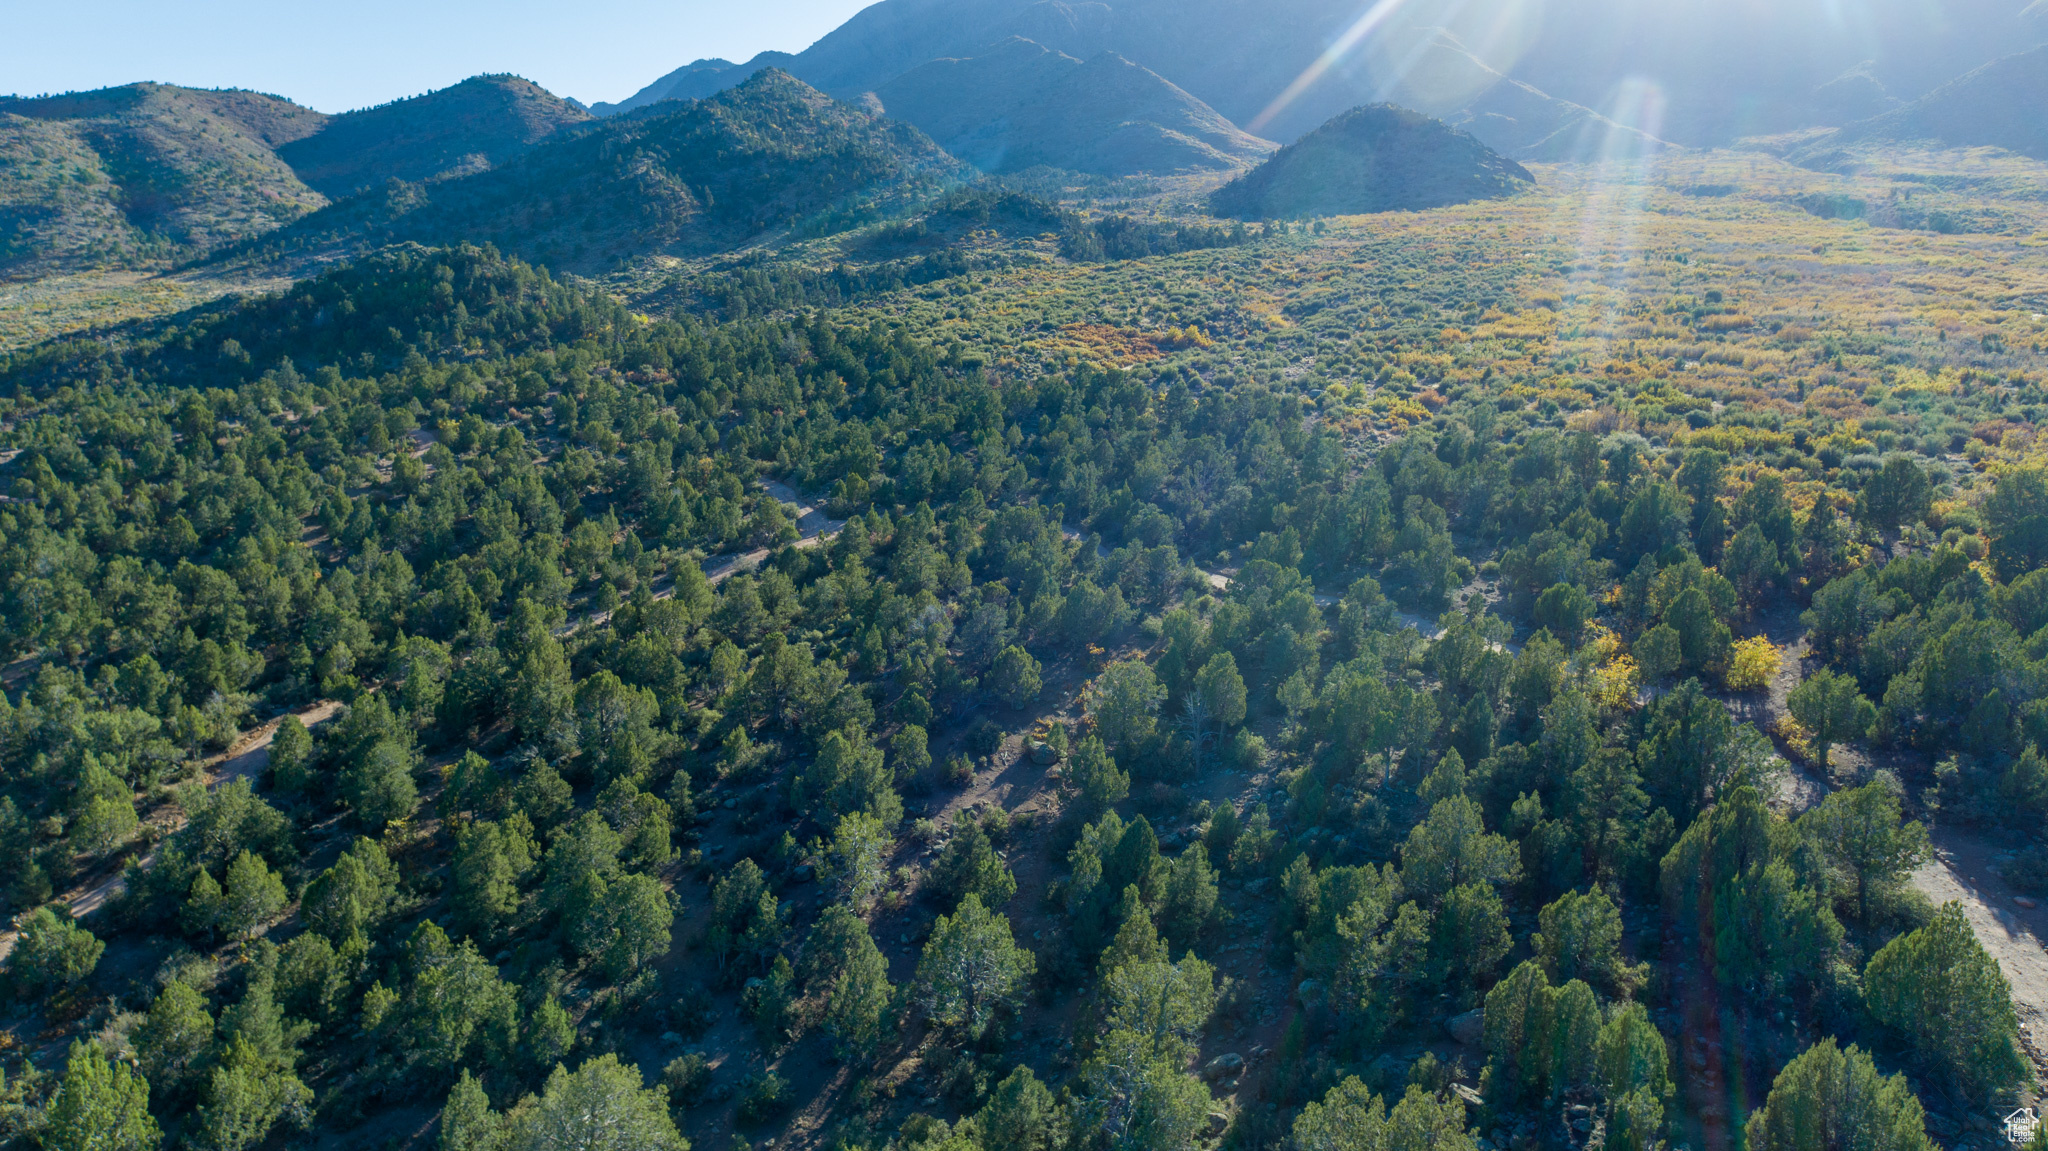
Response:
column 682, row 177
column 694, row 81
column 1445, row 79
column 1021, row 104
column 479, row 123
column 1380, row 158
column 144, row 174
column 1694, row 72
column 1999, row 105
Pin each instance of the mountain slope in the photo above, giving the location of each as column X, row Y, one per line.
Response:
column 1690, row 71
column 694, row 176
column 1446, row 80
column 1379, row 158
column 479, row 123
column 1020, row 104
column 144, row 174
column 1999, row 105
column 694, row 81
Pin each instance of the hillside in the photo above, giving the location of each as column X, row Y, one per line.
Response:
column 1717, row 72
column 1021, row 104
column 693, row 176
column 1445, row 79
column 1998, row 105
column 477, row 124
column 1379, row 158
column 143, row 175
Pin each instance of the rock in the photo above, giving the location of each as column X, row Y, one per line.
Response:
column 730, row 804
column 1218, row 1123
column 1468, row 1094
column 1468, row 1028
column 2023, row 901
column 1223, row 1067
column 802, row 874
column 1256, row 886
column 1941, row 1126
column 671, row 1039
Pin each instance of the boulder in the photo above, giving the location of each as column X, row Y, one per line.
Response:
column 1225, row 1066
column 1468, row 1028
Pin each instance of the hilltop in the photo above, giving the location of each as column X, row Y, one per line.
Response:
column 479, row 123
column 691, row 176
column 1021, row 104
column 1378, row 158
column 144, row 174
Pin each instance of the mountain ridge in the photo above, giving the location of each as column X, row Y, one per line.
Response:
column 1020, row 104
column 1997, row 105
column 484, row 119
column 694, row 176
column 1709, row 77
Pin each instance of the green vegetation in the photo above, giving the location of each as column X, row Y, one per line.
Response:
column 1024, row 675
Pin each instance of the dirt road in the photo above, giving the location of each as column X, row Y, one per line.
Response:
column 1965, row 870
column 245, row 757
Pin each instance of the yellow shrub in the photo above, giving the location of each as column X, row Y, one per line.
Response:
column 1614, row 684
column 1752, row 664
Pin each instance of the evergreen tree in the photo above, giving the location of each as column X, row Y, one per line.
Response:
column 172, row 1041
column 467, row 1121
column 857, row 1005
column 100, row 1106
column 1829, row 706
column 858, row 863
column 1351, row 1118
column 1123, row 701
column 1864, row 836
column 970, row 866
column 1828, row 1097
column 291, row 757
column 601, row 1106
column 1015, row 677
column 51, row 952
column 1020, row 1115
column 971, row 969
column 1940, row 989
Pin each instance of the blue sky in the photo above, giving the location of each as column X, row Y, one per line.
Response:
column 337, row 56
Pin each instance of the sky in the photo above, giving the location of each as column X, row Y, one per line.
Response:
column 337, row 56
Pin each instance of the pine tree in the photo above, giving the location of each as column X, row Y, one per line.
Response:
column 601, row 1106
column 1940, row 989
column 970, row 866
column 858, row 1004
column 1828, row 1097
column 100, row 1106
column 467, row 1121
column 971, row 969
column 173, row 1039
column 1829, row 706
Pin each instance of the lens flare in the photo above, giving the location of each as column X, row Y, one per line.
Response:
column 1374, row 18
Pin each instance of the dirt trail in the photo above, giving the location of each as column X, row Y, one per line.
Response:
column 1964, row 866
column 1964, row 869
column 245, row 757
column 811, row 522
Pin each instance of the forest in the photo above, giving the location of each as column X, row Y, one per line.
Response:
column 448, row 707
